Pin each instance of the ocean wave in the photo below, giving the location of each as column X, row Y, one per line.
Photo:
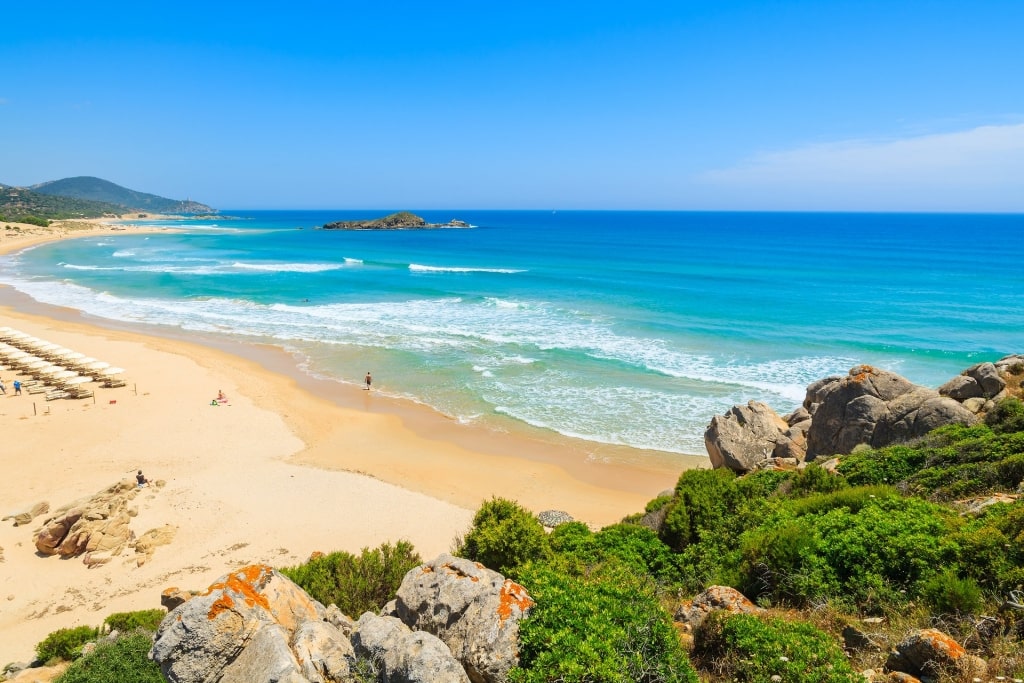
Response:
column 417, row 268
column 286, row 267
column 353, row 261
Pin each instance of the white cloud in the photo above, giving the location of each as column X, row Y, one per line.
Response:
column 981, row 169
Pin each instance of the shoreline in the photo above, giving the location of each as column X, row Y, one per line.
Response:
column 292, row 465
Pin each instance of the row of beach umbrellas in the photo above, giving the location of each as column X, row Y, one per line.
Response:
column 51, row 362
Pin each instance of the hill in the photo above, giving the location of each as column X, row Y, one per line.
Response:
column 403, row 220
column 24, row 206
column 99, row 190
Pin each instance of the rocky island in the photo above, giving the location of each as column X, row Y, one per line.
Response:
column 403, row 220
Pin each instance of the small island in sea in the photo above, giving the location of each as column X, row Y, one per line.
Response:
column 403, row 220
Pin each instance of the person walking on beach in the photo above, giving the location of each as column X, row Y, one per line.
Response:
column 3, row 388
column 369, row 381
column 17, row 387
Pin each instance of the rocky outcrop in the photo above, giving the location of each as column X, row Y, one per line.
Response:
column 747, row 436
column 874, row 407
column 151, row 540
column 26, row 517
column 716, row 598
column 403, row 220
column 474, row 610
column 98, row 524
column 978, row 381
column 930, row 652
column 459, row 623
column 552, row 518
column 402, row 655
column 239, row 630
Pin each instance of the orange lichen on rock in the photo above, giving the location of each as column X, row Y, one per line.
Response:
column 943, row 644
column 512, row 595
column 861, row 372
column 243, row 583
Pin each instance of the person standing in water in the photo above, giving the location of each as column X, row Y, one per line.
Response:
column 369, row 381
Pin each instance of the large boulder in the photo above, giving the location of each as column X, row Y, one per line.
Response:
column 715, row 599
column 242, row 629
column 931, row 652
column 982, row 380
column 401, row 655
column 747, row 435
column 97, row 524
column 474, row 610
column 874, row 407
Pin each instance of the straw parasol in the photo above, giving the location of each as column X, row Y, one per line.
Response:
column 111, row 371
column 96, row 365
column 77, row 379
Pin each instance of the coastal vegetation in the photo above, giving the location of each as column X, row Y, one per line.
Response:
column 923, row 534
column 83, row 197
column 402, row 220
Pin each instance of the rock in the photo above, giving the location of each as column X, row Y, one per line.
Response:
column 874, row 407
column 335, row 617
column 1010, row 365
column 972, row 506
column 171, row 597
column 962, row 388
column 552, row 518
column 266, row 658
column 714, row 599
column 929, row 652
column 149, row 541
column 474, row 610
column 199, row 639
column 403, row 655
column 323, row 651
column 97, row 524
column 900, row 677
column 856, row 640
column 746, row 435
column 23, row 518
column 987, row 376
column 976, row 405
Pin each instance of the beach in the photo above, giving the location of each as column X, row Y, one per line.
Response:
column 287, row 466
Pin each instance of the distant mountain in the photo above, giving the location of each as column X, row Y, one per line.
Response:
column 19, row 205
column 99, row 190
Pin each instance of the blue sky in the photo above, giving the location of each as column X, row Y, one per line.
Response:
column 873, row 106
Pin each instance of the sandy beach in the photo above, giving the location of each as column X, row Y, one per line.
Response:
column 288, row 466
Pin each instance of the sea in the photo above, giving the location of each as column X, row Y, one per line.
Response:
column 632, row 328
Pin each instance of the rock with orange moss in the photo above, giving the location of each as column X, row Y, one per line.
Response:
column 715, row 598
column 874, row 407
column 242, row 626
column 474, row 610
column 929, row 652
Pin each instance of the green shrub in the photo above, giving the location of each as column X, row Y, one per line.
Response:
column 753, row 649
column 35, row 220
column 950, row 594
column 815, row 479
column 147, row 620
column 1007, row 416
column 602, row 625
column 504, row 536
column 637, row 546
column 356, row 584
column 124, row 660
column 703, row 498
column 65, row 643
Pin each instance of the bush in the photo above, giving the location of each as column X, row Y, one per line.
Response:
column 749, row 648
column 1007, row 416
column 703, row 499
column 637, row 546
column 603, row 625
column 147, row 620
column 950, row 594
column 815, row 479
column 35, row 220
column 124, row 660
column 66, row 643
column 504, row 536
column 356, row 584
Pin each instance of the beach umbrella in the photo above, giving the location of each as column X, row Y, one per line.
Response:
column 63, row 375
column 35, row 364
column 38, row 344
column 49, row 369
column 97, row 365
column 77, row 379
column 111, row 371
column 70, row 356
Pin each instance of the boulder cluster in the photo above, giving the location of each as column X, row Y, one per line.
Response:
column 868, row 407
column 452, row 620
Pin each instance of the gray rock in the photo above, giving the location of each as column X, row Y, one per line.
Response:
column 987, row 376
column 265, row 659
column 930, row 652
column 401, row 655
column 746, row 435
column 961, row 388
column 322, row 652
column 714, row 599
column 474, row 610
column 1007, row 364
column 197, row 641
column 552, row 518
column 975, row 405
column 875, row 407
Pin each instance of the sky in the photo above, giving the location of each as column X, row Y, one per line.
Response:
column 716, row 105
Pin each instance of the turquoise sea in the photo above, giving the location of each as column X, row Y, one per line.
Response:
column 630, row 328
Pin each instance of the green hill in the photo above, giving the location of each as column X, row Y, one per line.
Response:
column 24, row 206
column 99, row 190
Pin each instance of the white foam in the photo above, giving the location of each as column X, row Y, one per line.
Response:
column 286, row 267
column 417, row 268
